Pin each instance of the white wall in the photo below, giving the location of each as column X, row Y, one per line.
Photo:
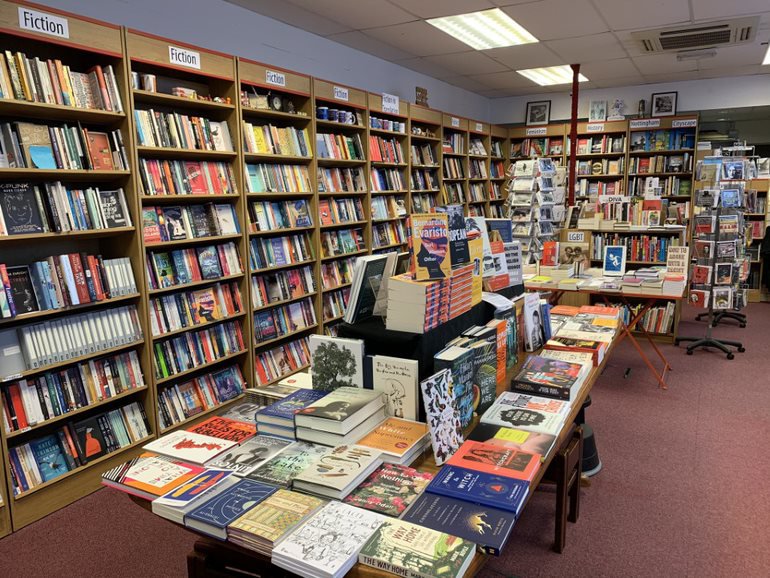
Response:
column 694, row 95
column 234, row 30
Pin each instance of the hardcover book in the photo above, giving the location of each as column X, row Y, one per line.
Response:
column 458, row 235
column 497, row 460
column 282, row 412
column 429, row 249
column 488, row 527
column 390, row 489
column 189, row 447
column 248, row 456
column 527, row 412
column 550, row 377
column 225, row 429
column 459, row 360
column 443, row 418
column 341, row 410
column 536, row 443
column 337, row 472
column 281, row 469
column 49, row 457
column 395, row 438
column 336, row 362
column 480, row 488
column 398, row 380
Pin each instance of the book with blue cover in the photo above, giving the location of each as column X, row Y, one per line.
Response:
column 213, row 516
column 488, row 527
column 282, row 412
column 480, row 488
column 49, row 456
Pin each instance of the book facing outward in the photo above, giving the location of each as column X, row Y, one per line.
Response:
column 225, row 429
column 480, row 488
column 389, row 489
column 446, row 434
column 536, row 443
column 278, row 419
column 496, row 460
column 175, row 504
column 340, row 411
column 268, row 522
column 243, row 411
column 488, row 527
column 406, row 549
column 336, row 362
column 252, row 453
column 149, row 475
column 333, row 440
column 527, row 412
column 398, row 379
column 550, row 377
column 430, row 254
column 399, row 440
column 336, row 473
column 327, row 544
column 281, row 469
column 189, row 447
column 214, row 515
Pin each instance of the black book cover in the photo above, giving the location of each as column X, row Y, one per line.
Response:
column 20, row 209
column 458, row 235
column 90, row 440
column 22, row 290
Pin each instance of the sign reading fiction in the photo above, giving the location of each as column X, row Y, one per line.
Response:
column 43, row 22
column 390, row 103
column 341, row 93
column 684, row 123
column 644, row 123
column 184, row 57
column 539, row 131
column 276, row 78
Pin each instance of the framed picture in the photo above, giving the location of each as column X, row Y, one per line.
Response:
column 597, row 111
column 614, row 261
column 538, row 112
column 664, row 104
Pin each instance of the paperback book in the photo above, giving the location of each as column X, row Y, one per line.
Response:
column 189, row 447
column 398, row 380
column 389, row 490
column 443, row 418
column 336, row 473
column 248, row 456
column 225, row 429
column 480, row 488
column 527, row 412
column 281, row 469
column 429, row 234
column 497, row 460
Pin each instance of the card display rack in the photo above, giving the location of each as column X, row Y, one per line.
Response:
column 157, row 86
column 90, row 43
column 454, row 161
column 479, row 146
column 425, row 171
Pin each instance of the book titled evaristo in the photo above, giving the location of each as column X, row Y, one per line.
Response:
column 430, row 246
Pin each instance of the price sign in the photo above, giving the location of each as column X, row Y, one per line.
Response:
column 390, row 103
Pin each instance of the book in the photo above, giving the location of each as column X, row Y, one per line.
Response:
column 243, row 411
column 389, row 490
column 458, row 235
column 429, row 233
column 190, row 447
column 399, row 440
column 248, row 456
column 49, row 457
column 443, row 418
column 149, row 475
column 488, row 527
column 336, row 473
column 281, row 413
column 406, row 549
column 550, row 377
column 459, row 360
column 527, row 412
column 340, row 411
column 536, row 443
column 214, row 515
column 398, row 380
column 336, row 362
column 19, row 209
column 225, row 429
column 496, row 459
column 282, row 468
column 368, row 276
column 480, row 488
column 533, row 323
column 22, row 291
column 189, row 495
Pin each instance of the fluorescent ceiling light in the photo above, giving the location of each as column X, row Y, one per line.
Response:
column 551, row 75
column 485, row 29
column 767, row 56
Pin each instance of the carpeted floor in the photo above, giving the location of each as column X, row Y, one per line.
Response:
column 683, row 492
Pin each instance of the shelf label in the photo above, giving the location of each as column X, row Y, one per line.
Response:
column 614, row 199
column 43, row 22
column 539, row 131
column 684, row 123
column 341, row 93
column 703, row 145
column 390, row 103
column 595, row 127
column 576, row 237
column 455, row 122
column 644, row 123
column 479, row 127
column 276, row 78
column 184, row 57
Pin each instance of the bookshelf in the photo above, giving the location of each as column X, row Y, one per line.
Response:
column 602, row 151
column 479, row 145
column 389, row 177
column 425, row 158
column 5, row 509
column 193, row 224
column 90, row 43
column 757, row 219
column 454, row 161
column 527, row 142
column 497, row 166
column 343, row 187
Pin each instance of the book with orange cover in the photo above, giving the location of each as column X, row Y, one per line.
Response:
column 150, row 475
column 225, row 429
column 99, row 151
column 569, row 310
column 599, row 310
column 395, row 436
column 497, row 460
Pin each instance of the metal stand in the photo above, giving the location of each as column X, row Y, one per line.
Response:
column 739, row 317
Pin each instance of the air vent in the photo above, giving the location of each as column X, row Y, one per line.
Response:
column 708, row 35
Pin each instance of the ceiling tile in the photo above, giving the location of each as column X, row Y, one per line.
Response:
column 472, row 62
column 551, row 19
column 436, row 8
column 293, row 15
column 663, row 64
column 671, row 77
column 619, row 81
column 525, row 56
column 588, row 48
column 429, row 68
column 495, row 93
column 731, row 71
column 468, row 83
column 502, row 80
column 357, row 15
column 703, row 9
column 745, row 55
column 608, row 69
column 418, row 38
column 635, row 14
column 360, row 41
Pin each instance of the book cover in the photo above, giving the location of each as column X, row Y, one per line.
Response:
column 151, row 475
column 208, row 259
column 430, row 251
column 49, row 457
column 90, row 439
column 99, row 151
column 188, row 446
column 339, row 467
column 551, row 377
column 340, row 404
column 150, row 225
column 19, row 209
column 114, row 209
column 227, row 506
column 407, row 549
column 281, row 469
column 173, row 223
column 395, row 436
column 299, row 214
column 398, row 379
column 484, row 372
column 291, row 404
column 536, row 443
column 459, row 360
column 248, row 456
column 442, row 415
column 533, row 323
column 193, row 489
column 366, row 287
column 224, row 428
column 389, row 490
column 336, row 362
column 480, row 488
column 458, row 235
column 22, row 291
column 488, row 527
column 497, row 460
column 527, row 412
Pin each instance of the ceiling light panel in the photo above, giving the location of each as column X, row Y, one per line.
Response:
column 767, row 56
column 484, row 30
column 551, row 75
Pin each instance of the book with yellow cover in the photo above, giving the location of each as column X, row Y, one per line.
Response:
column 430, row 246
column 396, row 438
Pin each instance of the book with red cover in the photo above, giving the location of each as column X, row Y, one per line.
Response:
column 80, row 278
column 497, row 460
column 99, row 151
column 225, row 428
column 598, row 310
column 550, row 254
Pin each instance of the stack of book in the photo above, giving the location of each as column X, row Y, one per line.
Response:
column 343, row 416
column 338, row 472
column 527, row 412
column 282, row 468
column 389, row 490
column 277, row 419
column 243, row 459
column 188, row 495
column 189, row 447
column 415, row 306
column 551, row 377
column 399, row 440
column 460, row 290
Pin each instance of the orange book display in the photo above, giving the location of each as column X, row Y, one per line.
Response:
column 496, row 460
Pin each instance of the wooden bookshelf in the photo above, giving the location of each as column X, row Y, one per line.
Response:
column 5, row 509
column 479, row 145
column 425, row 131
column 498, row 164
column 90, row 43
column 217, row 94
column 454, row 186
column 601, row 157
column 528, row 142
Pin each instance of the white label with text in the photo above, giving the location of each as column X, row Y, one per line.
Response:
column 614, row 199
column 390, row 103
column 576, row 237
column 43, row 22
column 276, row 78
column 341, row 93
column 184, row 57
column 684, row 123
column 645, row 123
column 479, row 127
column 455, row 122
column 540, row 131
column 595, row 127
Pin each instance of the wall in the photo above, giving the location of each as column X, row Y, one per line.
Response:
column 694, row 95
column 234, row 30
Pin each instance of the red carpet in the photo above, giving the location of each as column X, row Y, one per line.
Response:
column 683, row 491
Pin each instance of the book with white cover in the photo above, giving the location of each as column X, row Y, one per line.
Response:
column 341, row 410
column 569, row 356
column 336, row 362
column 527, row 412
column 336, row 473
column 189, row 447
column 399, row 380
column 328, row 543
column 248, row 456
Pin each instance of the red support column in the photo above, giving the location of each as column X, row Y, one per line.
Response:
column 573, row 134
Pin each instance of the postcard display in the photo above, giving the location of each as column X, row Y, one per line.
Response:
column 535, row 204
column 721, row 266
